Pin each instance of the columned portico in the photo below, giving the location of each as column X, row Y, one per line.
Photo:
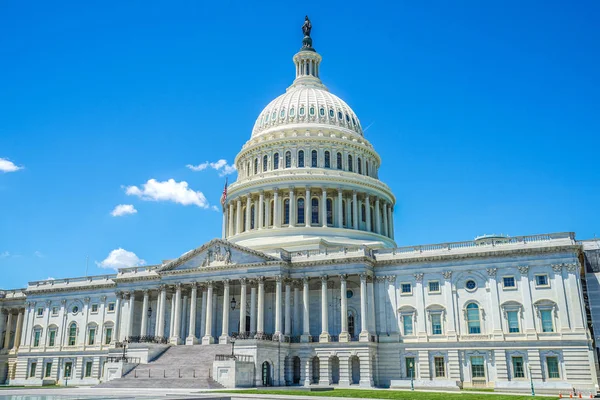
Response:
column 191, row 337
column 208, row 338
column 224, row 338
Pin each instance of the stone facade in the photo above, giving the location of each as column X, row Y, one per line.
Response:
column 309, row 282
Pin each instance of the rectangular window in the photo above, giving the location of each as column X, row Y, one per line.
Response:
column 552, row 364
column 508, row 282
column 54, row 311
column 434, row 287
column 92, row 336
column 88, row 369
column 94, row 308
column 406, row 288
column 68, row 368
column 40, row 312
column 48, row 371
column 108, row 336
column 440, row 367
column 111, row 307
column 513, row 321
column 541, row 281
column 477, row 367
column 36, row 337
column 52, row 338
column 518, row 370
column 546, row 316
column 32, row 370
column 410, row 367
column 436, row 324
column 407, row 321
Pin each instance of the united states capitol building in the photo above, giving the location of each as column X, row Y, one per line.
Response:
column 308, row 284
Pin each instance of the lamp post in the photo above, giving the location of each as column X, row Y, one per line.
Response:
column 531, row 380
column 124, row 350
column 232, row 347
column 148, row 324
column 412, row 372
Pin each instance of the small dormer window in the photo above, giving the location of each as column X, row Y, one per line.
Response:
column 301, row 110
column 322, row 112
column 292, row 112
column 340, row 116
column 353, row 121
column 331, row 113
column 347, row 118
column 267, row 118
column 274, row 116
column 311, row 111
column 282, row 113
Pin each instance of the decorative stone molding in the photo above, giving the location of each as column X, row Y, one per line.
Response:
column 324, row 278
column 572, row 267
column 343, row 277
column 557, row 267
column 447, row 275
column 391, row 278
column 380, row 279
column 419, row 277
column 226, row 282
column 492, row 272
column 523, row 269
column 86, row 300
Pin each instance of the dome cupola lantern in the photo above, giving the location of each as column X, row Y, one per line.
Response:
column 308, row 178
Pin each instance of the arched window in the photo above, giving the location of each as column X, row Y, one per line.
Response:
column 300, row 214
column 329, row 212
column 315, row 211
column 276, row 161
column 248, row 169
column 349, row 163
column 288, row 159
column 301, row 159
column 286, row 211
column 265, row 162
column 252, row 213
column 473, row 319
column 243, row 219
column 351, row 329
column 255, row 166
column 327, row 160
column 72, row 334
column 339, row 161
column 363, row 213
column 359, row 166
column 92, row 329
column 313, row 159
column 367, row 168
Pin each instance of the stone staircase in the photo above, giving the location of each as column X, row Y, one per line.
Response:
column 178, row 367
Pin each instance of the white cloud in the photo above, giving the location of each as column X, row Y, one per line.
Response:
column 123, row 209
column 5, row 254
column 221, row 166
column 8, row 166
column 177, row 192
column 38, row 254
column 214, row 208
column 120, row 258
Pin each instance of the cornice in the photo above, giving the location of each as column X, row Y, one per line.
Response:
column 69, row 289
column 222, row 268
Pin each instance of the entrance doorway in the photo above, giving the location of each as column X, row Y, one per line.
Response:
column 296, row 371
column 266, row 374
column 355, row 366
column 316, row 370
column 335, row 369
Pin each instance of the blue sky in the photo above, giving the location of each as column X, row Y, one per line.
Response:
column 485, row 115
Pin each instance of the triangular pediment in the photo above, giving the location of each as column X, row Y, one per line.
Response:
column 216, row 253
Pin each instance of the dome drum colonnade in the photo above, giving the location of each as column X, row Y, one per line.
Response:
column 308, row 167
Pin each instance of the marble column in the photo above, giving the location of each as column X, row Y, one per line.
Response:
column 528, row 314
column 276, row 209
column 344, row 335
column 224, row 339
column 267, row 211
column 238, row 217
column 364, row 332
column 420, row 301
column 287, row 330
column 3, row 316
column 385, row 220
column 390, row 222
column 324, row 209
column 242, row 329
column 277, row 334
column 202, row 313
column 296, row 319
column 144, row 324
column 18, row 329
column 131, row 312
column 260, row 323
column 348, row 224
column 377, row 216
column 208, row 338
column 118, row 301
column 231, row 232
column 261, row 210
column 368, row 212
column 248, row 213
column 191, row 337
column 354, row 210
column 305, row 310
column 572, row 279
column 8, row 329
column 162, row 311
column 497, row 332
column 253, row 309
column 561, row 300
column 340, row 211
column 324, row 337
column 175, row 339
column 307, row 208
column 292, row 211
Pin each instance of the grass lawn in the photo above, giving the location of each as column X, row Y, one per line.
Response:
column 385, row 394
